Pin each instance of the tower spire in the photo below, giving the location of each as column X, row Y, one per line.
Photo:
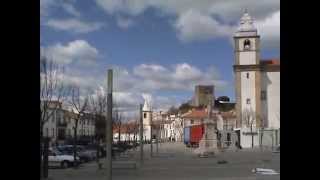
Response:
column 247, row 23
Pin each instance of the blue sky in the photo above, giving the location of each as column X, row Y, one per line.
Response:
column 159, row 49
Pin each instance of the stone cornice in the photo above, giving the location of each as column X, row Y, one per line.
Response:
column 238, row 37
column 257, row 67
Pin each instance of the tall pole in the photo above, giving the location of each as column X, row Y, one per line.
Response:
column 157, row 145
column 151, row 146
column 141, row 135
column 109, row 126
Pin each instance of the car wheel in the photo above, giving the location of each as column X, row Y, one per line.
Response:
column 64, row 164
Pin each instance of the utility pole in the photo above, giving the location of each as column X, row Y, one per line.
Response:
column 109, row 126
column 157, row 145
column 157, row 136
column 141, row 135
column 151, row 149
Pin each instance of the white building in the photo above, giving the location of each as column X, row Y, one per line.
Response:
column 86, row 124
column 172, row 128
column 147, row 121
column 59, row 126
column 257, row 85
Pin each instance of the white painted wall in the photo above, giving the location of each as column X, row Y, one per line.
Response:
column 187, row 122
column 125, row 137
column 220, row 122
column 246, row 140
column 50, row 124
column 248, row 90
column 247, row 57
column 273, row 99
column 147, row 132
column 147, row 119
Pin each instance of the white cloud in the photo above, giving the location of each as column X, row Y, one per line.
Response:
column 269, row 30
column 74, row 25
column 132, row 86
column 227, row 9
column 44, row 6
column 124, row 6
column 193, row 25
column 199, row 20
column 71, row 9
column 78, row 50
column 181, row 77
column 124, row 23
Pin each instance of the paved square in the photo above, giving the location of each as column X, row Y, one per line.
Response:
column 177, row 162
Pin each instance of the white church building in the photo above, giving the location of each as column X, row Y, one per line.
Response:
column 147, row 120
column 257, row 84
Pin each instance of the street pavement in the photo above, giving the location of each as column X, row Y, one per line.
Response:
column 176, row 162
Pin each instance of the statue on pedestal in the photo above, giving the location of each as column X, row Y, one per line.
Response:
column 209, row 143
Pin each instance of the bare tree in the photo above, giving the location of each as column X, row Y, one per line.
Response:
column 249, row 120
column 132, row 128
column 98, row 106
column 135, row 129
column 179, row 127
column 52, row 93
column 263, row 120
column 79, row 107
column 117, row 121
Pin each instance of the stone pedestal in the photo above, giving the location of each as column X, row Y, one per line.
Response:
column 208, row 143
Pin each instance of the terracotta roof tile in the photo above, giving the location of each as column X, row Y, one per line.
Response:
column 270, row 62
column 196, row 113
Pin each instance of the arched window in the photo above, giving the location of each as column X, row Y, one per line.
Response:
column 247, row 44
column 144, row 115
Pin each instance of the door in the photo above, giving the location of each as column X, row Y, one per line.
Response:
column 228, row 139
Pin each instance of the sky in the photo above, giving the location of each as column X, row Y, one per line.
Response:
column 159, row 49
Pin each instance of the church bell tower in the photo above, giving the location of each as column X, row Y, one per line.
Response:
column 247, row 68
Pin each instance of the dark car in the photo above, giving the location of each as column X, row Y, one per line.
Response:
column 85, row 156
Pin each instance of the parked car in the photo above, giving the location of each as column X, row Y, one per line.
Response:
column 85, row 156
column 88, row 155
column 92, row 148
column 56, row 158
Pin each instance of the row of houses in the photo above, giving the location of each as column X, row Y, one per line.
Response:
column 59, row 127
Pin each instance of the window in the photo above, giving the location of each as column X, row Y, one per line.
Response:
column 144, row 115
column 247, row 75
column 52, row 132
column 47, row 132
column 248, row 101
column 191, row 122
column 263, row 95
column 246, row 44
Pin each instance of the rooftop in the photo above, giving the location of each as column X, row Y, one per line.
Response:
column 270, row 62
column 196, row 113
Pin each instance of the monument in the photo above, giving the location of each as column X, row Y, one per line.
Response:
column 208, row 145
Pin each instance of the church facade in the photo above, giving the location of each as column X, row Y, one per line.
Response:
column 257, row 84
column 147, row 121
